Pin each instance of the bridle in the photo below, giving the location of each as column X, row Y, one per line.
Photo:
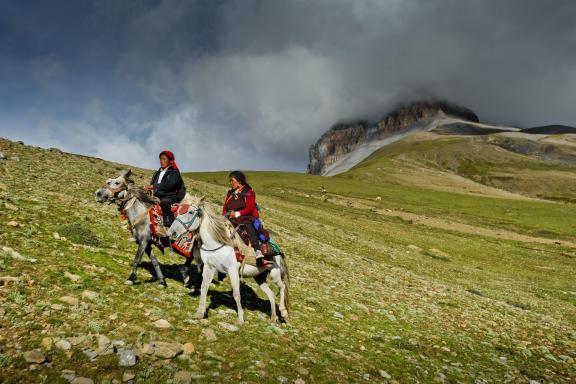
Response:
column 122, row 187
column 188, row 224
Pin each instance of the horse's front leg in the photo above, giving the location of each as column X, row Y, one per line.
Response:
column 207, row 276
column 235, row 282
column 156, row 264
column 137, row 259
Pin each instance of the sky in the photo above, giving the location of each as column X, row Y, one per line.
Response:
column 251, row 84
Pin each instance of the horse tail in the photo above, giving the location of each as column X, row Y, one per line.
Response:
column 285, row 276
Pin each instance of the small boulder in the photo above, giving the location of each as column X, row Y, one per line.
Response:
column 69, row 300
column 35, row 356
column 12, row 223
column 89, row 295
column 74, row 278
column 127, row 376
column 82, row 380
column 208, row 335
column 188, row 348
column 105, row 346
column 162, row 324
column 165, row 350
column 127, row 358
column 228, row 326
column 63, row 345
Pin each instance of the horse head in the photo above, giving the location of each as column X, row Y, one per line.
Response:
column 114, row 189
column 187, row 222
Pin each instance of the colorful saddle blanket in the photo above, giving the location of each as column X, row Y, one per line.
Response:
column 184, row 244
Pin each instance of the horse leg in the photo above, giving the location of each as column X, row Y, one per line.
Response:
column 261, row 280
column 235, row 282
column 207, row 276
column 276, row 276
column 185, row 271
column 137, row 259
column 156, row 264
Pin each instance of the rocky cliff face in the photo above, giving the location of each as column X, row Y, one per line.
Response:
column 345, row 137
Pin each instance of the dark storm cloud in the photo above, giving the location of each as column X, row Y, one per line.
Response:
column 251, row 84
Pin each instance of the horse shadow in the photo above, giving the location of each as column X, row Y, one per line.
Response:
column 176, row 272
column 250, row 300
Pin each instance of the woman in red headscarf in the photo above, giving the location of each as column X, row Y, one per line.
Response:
column 167, row 185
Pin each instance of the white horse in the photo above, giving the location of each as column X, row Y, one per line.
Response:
column 217, row 254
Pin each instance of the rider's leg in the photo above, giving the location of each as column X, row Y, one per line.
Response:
column 167, row 215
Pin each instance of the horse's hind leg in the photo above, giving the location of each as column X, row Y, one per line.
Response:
column 137, row 259
column 207, row 276
column 156, row 265
column 235, row 282
column 261, row 280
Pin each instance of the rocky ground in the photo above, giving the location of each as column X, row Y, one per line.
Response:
column 374, row 297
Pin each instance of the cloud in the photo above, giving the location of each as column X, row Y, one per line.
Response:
column 251, row 84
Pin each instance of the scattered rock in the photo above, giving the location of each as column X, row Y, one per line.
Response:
column 105, row 347
column 12, row 223
column 35, row 356
column 303, row 371
column 82, row 380
column 74, row 278
column 338, row 315
column 3, row 186
column 8, row 279
column 127, row 358
column 47, row 343
column 208, row 335
column 90, row 354
column 77, row 340
column 165, row 350
column 299, row 381
column 2, row 157
column 182, row 377
column 90, row 295
column 188, row 348
column 384, row 374
column 147, row 349
column 228, row 326
column 69, row 300
column 276, row 329
column 127, row 376
column 162, row 324
column 63, row 344
column 56, row 235
column 113, row 316
column 68, row 374
column 57, row 307
column 10, row 207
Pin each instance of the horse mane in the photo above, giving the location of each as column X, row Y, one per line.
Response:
column 141, row 195
column 220, row 229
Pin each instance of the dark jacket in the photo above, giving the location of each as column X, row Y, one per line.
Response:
column 172, row 184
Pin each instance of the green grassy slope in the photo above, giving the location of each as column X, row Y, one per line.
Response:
column 541, row 168
column 374, row 297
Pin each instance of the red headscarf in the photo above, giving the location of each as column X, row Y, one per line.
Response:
column 170, row 156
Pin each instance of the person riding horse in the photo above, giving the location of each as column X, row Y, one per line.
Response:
column 167, row 185
column 240, row 207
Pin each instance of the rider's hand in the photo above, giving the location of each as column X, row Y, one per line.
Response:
column 149, row 187
column 234, row 214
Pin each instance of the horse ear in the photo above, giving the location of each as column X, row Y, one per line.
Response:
column 202, row 198
column 127, row 174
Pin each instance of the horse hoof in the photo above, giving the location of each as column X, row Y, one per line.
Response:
column 129, row 282
column 199, row 315
column 284, row 314
column 274, row 320
column 162, row 285
column 186, row 280
column 240, row 322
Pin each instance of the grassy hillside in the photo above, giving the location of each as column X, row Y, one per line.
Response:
column 529, row 165
column 390, row 283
